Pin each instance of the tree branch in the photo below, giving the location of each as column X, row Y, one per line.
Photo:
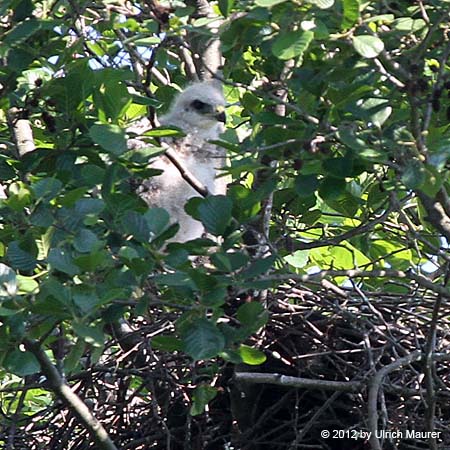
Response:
column 63, row 391
column 355, row 273
column 374, row 388
column 297, row 382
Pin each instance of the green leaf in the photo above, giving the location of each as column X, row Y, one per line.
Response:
column 112, row 100
column 165, row 132
column 251, row 356
column 377, row 110
column 176, row 279
column 62, row 260
column 73, row 360
column 86, row 206
column 202, row 395
column 298, row 259
column 21, row 363
column 93, row 261
column 340, row 167
column 258, row 267
column 322, row 4
column 158, row 220
column 110, row 137
column 268, row 3
column 86, row 299
column 8, row 281
column 215, row 213
column 166, row 343
column 47, row 188
column 85, row 241
column 332, row 188
column 368, row 46
column 414, row 174
column 20, row 259
column 203, row 340
column 21, row 32
column 306, row 185
column 351, row 13
column 27, row 285
column 408, row 24
column 225, row 7
column 135, row 224
column 252, row 315
column 90, row 334
column 291, row 44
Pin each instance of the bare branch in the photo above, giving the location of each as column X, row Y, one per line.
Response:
column 62, row 389
column 184, row 172
column 354, row 273
column 297, row 382
column 375, row 385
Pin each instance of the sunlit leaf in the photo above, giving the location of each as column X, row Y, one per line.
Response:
column 291, row 44
column 368, row 46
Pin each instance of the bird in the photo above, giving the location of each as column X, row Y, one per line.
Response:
column 199, row 112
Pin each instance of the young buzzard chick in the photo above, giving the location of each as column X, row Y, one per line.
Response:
column 199, row 112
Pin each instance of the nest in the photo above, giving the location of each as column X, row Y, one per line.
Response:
column 323, row 333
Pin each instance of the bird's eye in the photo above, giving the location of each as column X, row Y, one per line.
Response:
column 199, row 105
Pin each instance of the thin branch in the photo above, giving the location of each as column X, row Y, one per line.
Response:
column 344, row 236
column 298, row 382
column 388, row 75
column 374, row 388
column 355, row 273
column 184, row 172
column 65, row 393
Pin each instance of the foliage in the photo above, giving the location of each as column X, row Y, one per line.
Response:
column 341, row 105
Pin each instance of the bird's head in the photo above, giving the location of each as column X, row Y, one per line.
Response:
column 200, row 107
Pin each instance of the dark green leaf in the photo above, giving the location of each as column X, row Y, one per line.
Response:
column 306, row 185
column 215, row 213
column 203, row 340
column 85, row 241
column 341, row 167
column 47, row 188
column 21, row 32
column 158, row 220
column 174, row 279
column 90, row 334
column 110, row 137
column 21, row 363
column 252, row 313
column 414, row 174
column 94, row 260
column 225, row 7
column 20, row 259
column 166, row 343
column 137, row 226
column 62, row 260
column 202, row 395
column 258, row 267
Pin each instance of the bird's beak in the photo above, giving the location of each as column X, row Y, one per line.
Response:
column 220, row 114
